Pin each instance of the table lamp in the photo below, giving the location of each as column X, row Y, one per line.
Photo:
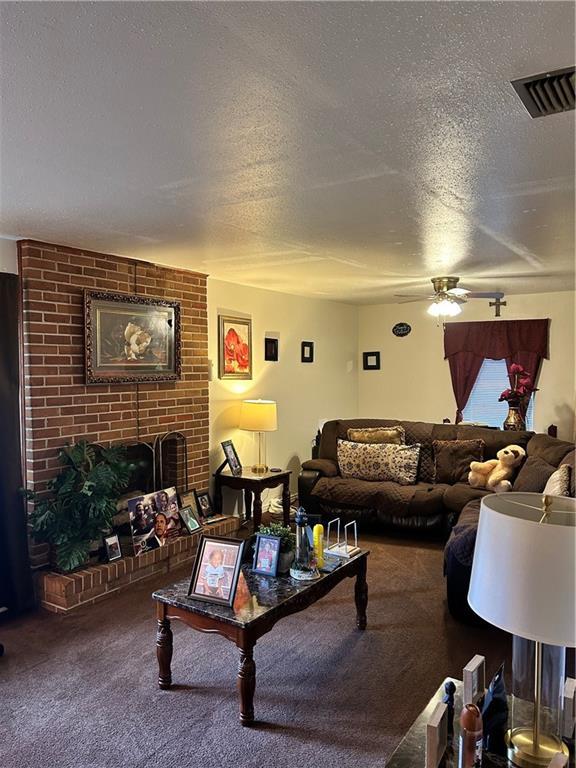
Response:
column 259, row 416
column 523, row 581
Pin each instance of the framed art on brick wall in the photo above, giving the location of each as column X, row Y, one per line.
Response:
column 130, row 338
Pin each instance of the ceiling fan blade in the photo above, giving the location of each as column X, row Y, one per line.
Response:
column 411, row 301
column 485, row 295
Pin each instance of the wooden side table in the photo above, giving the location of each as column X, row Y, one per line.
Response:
column 253, row 485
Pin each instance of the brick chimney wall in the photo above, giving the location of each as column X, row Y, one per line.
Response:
column 59, row 406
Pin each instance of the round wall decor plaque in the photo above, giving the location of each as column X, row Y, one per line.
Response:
column 401, row 329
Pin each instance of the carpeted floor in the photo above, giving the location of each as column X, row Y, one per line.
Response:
column 80, row 691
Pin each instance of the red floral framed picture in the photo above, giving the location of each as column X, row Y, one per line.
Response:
column 234, row 347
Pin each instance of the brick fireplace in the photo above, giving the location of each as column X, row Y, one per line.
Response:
column 60, row 407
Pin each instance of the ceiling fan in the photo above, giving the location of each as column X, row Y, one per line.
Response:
column 448, row 297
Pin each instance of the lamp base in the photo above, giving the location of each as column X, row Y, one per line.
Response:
column 522, row 752
column 259, row 469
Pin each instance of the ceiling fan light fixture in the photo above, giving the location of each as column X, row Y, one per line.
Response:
column 444, row 307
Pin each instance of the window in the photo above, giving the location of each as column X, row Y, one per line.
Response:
column 483, row 406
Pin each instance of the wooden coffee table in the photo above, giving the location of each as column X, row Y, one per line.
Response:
column 261, row 601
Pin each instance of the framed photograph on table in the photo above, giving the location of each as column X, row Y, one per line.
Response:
column 234, row 347
column 266, row 554
column 190, row 519
column 130, row 339
column 216, row 570
column 113, row 550
column 232, row 457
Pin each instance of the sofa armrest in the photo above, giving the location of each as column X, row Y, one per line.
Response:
column 326, row 467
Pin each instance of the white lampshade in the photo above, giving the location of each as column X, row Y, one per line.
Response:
column 524, row 572
column 258, row 416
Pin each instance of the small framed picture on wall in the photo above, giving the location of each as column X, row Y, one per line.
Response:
column 371, row 361
column 271, row 350
column 234, row 347
column 307, row 352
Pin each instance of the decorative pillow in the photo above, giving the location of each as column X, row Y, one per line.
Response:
column 452, row 459
column 379, row 461
column 395, row 435
column 559, row 482
column 534, row 475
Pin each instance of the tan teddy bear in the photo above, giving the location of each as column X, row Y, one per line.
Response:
column 494, row 475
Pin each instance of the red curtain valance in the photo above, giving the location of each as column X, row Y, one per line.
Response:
column 497, row 339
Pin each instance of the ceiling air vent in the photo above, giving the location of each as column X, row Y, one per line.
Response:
column 547, row 94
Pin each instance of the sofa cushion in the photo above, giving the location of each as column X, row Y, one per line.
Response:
column 337, row 429
column 549, row 449
column 395, row 435
column 494, row 439
column 457, row 496
column 570, row 460
column 452, row 459
column 378, row 461
column 559, row 482
column 420, row 432
column 463, row 537
column 534, row 475
column 396, row 500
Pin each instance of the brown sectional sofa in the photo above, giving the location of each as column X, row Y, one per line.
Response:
column 545, row 454
column 425, row 505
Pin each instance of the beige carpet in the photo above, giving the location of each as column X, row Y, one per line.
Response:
column 79, row 691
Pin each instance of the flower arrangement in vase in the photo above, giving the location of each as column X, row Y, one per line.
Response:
column 517, row 396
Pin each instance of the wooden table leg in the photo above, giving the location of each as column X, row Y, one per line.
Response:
column 217, row 495
column 361, row 594
column 286, row 501
column 247, row 504
column 247, row 683
column 164, row 649
column 257, row 509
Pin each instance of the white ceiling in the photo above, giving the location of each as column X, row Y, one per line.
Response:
column 341, row 150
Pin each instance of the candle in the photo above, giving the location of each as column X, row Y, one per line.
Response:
column 318, row 539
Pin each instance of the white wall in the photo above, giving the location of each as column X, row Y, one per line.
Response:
column 304, row 392
column 414, row 381
column 8, row 256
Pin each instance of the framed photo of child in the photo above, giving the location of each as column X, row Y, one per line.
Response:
column 266, row 554
column 216, row 570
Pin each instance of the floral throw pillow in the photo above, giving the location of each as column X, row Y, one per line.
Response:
column 379, row 461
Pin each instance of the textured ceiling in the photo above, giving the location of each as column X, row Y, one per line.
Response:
column 342, row 150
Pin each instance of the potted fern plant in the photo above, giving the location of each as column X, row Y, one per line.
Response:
column 80, row 502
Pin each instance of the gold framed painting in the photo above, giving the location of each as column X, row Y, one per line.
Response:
column 234, row 347
column 130, row 339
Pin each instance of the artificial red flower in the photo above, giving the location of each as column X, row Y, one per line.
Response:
column 516, row 368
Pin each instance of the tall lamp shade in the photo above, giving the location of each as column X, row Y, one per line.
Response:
column 524, row 572
column 524, row 581
column 259, row 416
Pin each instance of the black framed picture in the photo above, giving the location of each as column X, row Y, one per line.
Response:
column 130, row 338
column 190, row 519
column 232, row 457
column 371, row 361
column 216, row 570
column 113, row 550
column 271, row 350
column 307, row 352
column 266, row 554
column 204, row 506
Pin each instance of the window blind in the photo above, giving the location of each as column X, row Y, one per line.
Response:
column 483, row 406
